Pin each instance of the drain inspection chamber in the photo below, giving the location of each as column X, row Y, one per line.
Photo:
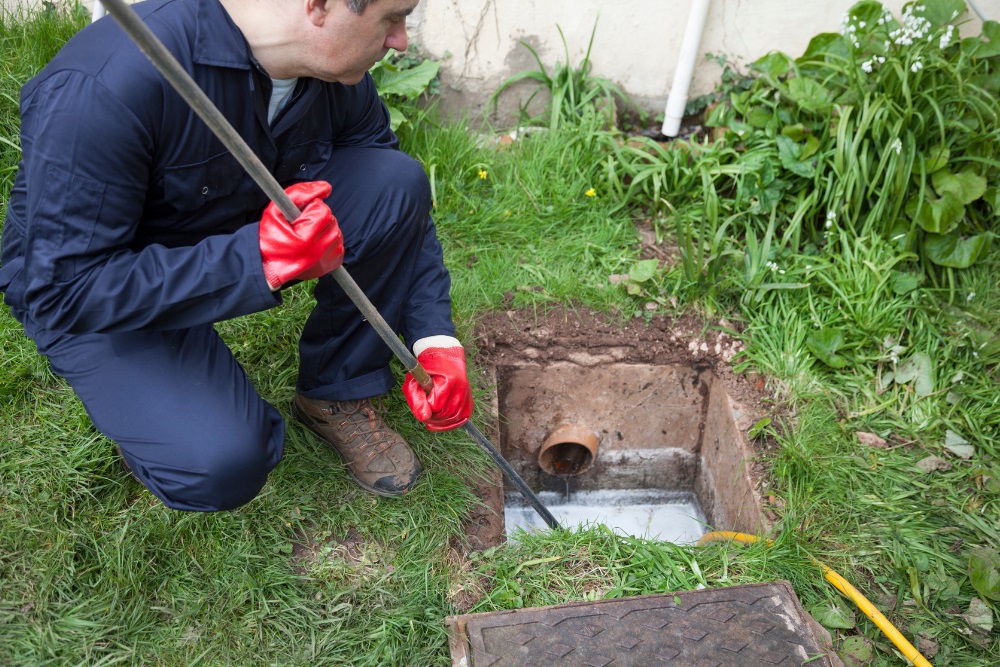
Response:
column 634, row 433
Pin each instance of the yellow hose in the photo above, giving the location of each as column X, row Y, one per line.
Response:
column 844, row 586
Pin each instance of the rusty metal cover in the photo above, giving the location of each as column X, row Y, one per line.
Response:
column 740, row 626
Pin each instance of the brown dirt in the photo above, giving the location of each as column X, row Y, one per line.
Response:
column 310, row 549
column 583, row 336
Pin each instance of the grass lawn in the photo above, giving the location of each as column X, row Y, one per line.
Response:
column 839, row 214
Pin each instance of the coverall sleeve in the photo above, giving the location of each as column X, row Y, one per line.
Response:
column 88, row 159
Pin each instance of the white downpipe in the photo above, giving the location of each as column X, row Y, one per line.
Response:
column 674, row 112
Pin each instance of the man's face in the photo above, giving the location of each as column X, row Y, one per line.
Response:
column 346, row 45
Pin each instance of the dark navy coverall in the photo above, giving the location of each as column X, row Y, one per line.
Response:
column 131, row 230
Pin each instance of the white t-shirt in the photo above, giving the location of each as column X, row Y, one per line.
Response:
column 281, row 92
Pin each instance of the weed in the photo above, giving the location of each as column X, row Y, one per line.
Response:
column 574, row 93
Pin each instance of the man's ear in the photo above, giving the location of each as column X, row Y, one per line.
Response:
column 318, row 10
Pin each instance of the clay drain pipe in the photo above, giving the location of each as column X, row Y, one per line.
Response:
column 186, row 87
column 569, row 450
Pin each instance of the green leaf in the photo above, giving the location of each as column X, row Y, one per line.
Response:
column 758, row 428
column 396, row 117
column 809, row 94
column 937, row 158
column 826, row 46
column 789, row 152
column 978, row 48
column 409, row 83
column 856, row 651
column 988, row 81
column 920, row 368
column 833, row 615
column 868, row 11
column 904, row 283
column 938, row 216
column 824, row 345
column 797, row 132
column 953, row 251
column 903, row 239
column 773, row 65
column 643, row 270
column 946, row 587
column 967, row 186
column 984, row 572
column 940, row 12
column 759, row 117
column 992, row 197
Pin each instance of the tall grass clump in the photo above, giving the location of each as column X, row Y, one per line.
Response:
column 889, row 128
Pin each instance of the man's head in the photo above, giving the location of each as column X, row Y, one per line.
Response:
column 332, row 40
column 352, row 35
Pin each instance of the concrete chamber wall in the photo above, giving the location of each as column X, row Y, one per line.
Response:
column 636, row 45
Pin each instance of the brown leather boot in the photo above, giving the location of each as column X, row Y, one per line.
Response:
column 377, row 457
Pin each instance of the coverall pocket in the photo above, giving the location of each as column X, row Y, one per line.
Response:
column 190, row 187
column 304, row 162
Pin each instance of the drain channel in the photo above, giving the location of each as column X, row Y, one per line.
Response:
column 670, row 516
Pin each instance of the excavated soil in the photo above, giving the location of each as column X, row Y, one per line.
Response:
column 588, row 338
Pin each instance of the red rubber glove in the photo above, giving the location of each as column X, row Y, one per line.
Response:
column 308, row 247
column 449, row 405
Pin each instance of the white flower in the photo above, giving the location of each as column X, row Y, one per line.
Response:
column 946, row 37
column 971, row 296
column 866, row 65
column 831, row 217
column 916, row 66
column 896, row 145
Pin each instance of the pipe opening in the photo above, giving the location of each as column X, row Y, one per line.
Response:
column 569, row 450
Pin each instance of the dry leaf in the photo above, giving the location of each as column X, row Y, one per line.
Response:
column 927, row 646
column 871, row 440
column 932, row 463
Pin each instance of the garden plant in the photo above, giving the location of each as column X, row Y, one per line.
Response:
column 838, row 218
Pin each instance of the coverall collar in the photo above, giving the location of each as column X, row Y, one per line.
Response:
column 218, row 40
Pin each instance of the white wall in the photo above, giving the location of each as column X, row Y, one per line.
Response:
column 636, row 44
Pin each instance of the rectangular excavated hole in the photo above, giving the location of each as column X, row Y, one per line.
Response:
column 671, row 462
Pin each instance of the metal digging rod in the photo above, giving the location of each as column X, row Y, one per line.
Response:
column 182, row 82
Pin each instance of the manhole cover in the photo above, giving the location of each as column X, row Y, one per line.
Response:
column 741, row 626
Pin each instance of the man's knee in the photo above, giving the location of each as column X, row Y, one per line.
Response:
column 218, row 470
column 386, row 183
column 411, row 179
